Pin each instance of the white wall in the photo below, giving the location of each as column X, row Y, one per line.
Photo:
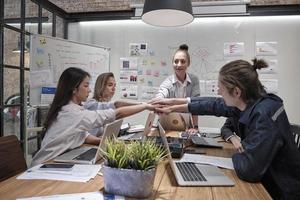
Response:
column 210, row 34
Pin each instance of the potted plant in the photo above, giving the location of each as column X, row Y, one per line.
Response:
column 129, row 168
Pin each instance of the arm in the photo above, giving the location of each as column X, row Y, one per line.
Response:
column 194, row 126
column 168, row 101
column 211, row 106
column 130, row 110
column 176, row 108
column 227, row 133
column 261, row 146
column 195, row 120
column 163, row 91
column 227, row 130
column 90, row 139
column 119, row 104
column 93, row 104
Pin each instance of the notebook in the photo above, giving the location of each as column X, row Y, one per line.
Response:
column 176, row 121
column 192, row 174
column 90, row 155
column 143, row 134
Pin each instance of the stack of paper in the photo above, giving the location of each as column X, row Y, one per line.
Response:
column 79, row 173
column 78, row 196
column 211, row 160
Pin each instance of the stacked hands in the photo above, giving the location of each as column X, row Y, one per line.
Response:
column 161, row 106
column 167, row 105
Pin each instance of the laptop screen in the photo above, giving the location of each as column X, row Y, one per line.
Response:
column 162, row 134
column 176, row 121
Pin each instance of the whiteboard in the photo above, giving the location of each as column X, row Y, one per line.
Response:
column 206, row 38
column 49, row 57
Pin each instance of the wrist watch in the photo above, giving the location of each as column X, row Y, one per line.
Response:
column 196, row 127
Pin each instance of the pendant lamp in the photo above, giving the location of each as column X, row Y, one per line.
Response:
column 167, row 13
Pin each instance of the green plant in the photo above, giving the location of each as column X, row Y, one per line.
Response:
column 134, row 155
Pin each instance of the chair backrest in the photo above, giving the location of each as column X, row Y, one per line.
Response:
column 296, row 132
column 12, row 159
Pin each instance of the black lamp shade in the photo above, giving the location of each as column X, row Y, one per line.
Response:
column 167, row 12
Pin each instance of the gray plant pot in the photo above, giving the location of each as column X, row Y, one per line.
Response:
column 128, row 182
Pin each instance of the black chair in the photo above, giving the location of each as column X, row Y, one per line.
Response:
column 296, row 132
column 12, row 160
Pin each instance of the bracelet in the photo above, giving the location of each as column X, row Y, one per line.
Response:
column 196, row 127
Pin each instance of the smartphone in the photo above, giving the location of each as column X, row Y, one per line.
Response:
column 57, row 167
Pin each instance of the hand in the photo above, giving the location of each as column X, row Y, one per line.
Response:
column 149, row 107
column 192, row 130
column 161, row 109
column 237, row 144
column 161, row 101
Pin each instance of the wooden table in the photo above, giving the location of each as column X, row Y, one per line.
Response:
column 165, row 186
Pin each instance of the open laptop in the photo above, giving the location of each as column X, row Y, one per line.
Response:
column 141, row 135
column 199, row 140
column 176, row 121
column 192, row 174
column 90, row 155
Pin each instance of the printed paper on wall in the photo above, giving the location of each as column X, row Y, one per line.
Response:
column 129, row 92
column 128, row 76
column 138, row 49
column 128, row 63
column 234, row 49
column 266, row 48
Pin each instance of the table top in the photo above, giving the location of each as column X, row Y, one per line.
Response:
column 165, row 185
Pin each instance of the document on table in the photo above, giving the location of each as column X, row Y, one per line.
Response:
column 211, row 160
column 78, row 196
column 79, row 173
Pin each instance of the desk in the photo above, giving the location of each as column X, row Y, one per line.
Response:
column 165, row 186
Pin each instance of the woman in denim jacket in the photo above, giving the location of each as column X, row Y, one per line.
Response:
column 269, row 152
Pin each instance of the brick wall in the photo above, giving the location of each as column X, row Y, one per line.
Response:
column 110, row 5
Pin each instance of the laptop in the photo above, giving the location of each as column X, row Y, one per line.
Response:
column 176, row 121
column 90, row 155
column 192, row 174
column 199, row 140
column 140, row 135
column 210, row 132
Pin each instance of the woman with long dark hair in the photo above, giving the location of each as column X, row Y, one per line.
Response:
column 68, row 124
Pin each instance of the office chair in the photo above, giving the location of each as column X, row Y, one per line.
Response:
column 12, row 159
column 296, row 132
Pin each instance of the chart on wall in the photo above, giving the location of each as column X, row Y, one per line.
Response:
column 49, row 57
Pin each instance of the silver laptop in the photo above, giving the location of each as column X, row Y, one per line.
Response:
column 197, row 139
column 90, row 155
column 192, row 174
column 143, row 134
column 176, row 121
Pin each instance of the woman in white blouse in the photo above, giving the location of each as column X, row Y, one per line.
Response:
column 68, row 123
column 181, row 84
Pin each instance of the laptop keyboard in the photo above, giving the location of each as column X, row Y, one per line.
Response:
column 189, row 171
column 88, row 155
column 198, row 140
